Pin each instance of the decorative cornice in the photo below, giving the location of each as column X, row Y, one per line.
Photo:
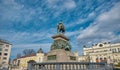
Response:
column 61, row 36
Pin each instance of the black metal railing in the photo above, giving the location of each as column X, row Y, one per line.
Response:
column 67, row 66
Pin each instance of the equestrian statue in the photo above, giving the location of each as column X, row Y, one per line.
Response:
column 60, row 28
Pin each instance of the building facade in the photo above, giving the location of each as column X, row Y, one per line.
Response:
column 102, row 52
column 22, row 62
column 5, row 50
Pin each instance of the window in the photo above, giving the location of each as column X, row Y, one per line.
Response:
column 101, row 59
column 115, row 50
column 51, row 57
column 40, row 59
column 1, row 45
column 5, row 54
column 0, row 49
column 110, row 49
column 118, row 49
column 4, row 58
column 100, row 45
column 97, row 60
column 3, row 62
column 6, row 49
column 7, row 45
column 72, row 58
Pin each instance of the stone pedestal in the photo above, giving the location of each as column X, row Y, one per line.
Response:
column 60, row 55
column 60, row 42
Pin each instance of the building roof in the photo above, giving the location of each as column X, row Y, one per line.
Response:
column 4, row 41
column 101, row 45
column 28, row 55
column 40, row 50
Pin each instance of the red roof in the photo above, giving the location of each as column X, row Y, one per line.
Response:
column 29, row 55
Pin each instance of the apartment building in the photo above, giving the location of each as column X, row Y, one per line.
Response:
column 5, row 50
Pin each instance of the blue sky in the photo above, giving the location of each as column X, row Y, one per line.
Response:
column 31, row 23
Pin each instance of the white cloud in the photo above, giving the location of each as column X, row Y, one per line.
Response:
column 67, row 4
column 70, row 4
column 19, row 12
column 104, row 28
column 81, row 20
column 59, row 6
column 69, row 34
column 91, row 15
column 10, row 10
column 20, row 37
column 28, row 37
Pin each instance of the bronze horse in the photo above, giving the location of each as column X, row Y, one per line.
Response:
column 60, row 28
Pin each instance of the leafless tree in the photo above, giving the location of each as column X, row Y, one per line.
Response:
column 18, row 55
column 28, row 51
